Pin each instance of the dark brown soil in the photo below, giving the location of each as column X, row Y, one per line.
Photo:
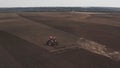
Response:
column 21, row 40
column 96, row 27
column 18, row 53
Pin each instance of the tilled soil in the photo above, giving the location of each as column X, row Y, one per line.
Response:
column 21, row 42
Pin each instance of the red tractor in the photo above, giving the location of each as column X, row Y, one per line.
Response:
column 52, row 41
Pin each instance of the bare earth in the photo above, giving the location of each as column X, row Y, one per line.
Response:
column 23, row 36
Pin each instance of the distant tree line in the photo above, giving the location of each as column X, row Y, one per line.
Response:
column 61, row 9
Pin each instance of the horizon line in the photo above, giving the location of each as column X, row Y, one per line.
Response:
column 59, row 7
